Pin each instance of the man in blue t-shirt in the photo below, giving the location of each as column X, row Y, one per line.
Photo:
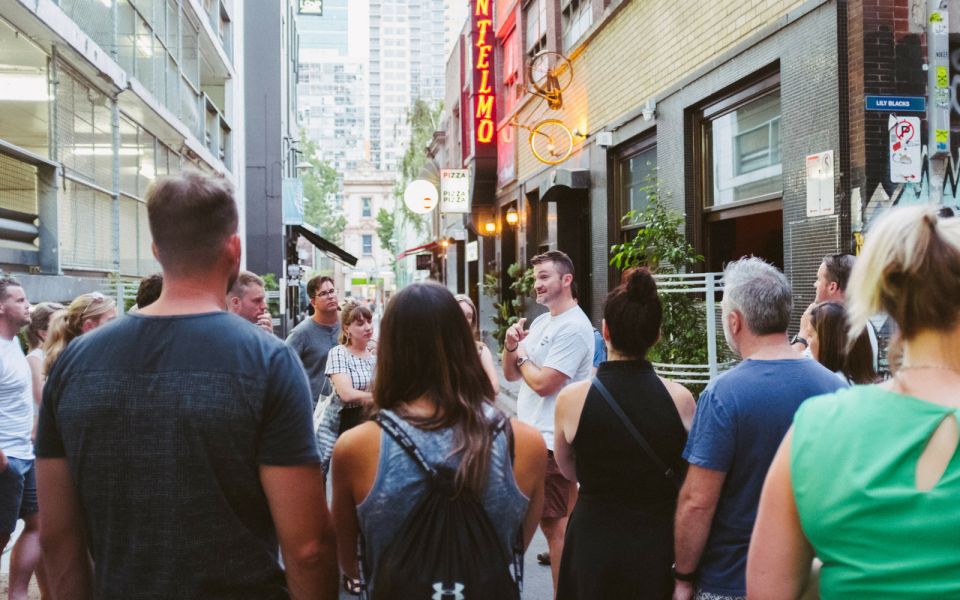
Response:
column 175, row 446
column 740, row 421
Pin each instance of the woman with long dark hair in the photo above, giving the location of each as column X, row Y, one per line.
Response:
column 619, row 541
column 851, row 360
column 430, row 382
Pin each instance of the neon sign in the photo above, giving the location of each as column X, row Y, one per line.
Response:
column 484, row 115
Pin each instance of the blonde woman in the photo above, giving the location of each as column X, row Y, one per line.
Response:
column 350, row 369
column 486, row 357
column 867, row 479
column 85, row 313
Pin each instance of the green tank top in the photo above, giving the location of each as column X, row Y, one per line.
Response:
column 853, row 469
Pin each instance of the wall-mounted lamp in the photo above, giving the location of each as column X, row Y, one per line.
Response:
column 649, row 111
column 444, row 243
column 490, row 227
column 512, row 217
column 578, row 133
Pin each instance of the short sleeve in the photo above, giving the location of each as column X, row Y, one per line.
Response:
column 49, row 443
column 712, row 440
column 287, row 436
column 336, row 361
column 567, row 352
column 599, row 349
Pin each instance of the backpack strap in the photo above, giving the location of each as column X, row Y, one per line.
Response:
column 667, row 471
column 393, row 429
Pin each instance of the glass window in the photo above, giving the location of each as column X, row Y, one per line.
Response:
column 367, row 207
column 639, row 177
column 367, row 244
column 745, row 151
column 535, row 18
column 24, row 93
column 577, row 16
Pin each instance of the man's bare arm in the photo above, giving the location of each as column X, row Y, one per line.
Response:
column 298, row 504
column 695, row 508
column 69, row 570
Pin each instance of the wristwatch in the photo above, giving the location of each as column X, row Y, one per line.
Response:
column 521, row 360
column 799, row 340
column 688, row 577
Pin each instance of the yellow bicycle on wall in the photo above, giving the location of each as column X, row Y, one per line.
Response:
column 549, row 74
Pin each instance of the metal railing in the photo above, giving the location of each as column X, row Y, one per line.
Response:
column 707, row 285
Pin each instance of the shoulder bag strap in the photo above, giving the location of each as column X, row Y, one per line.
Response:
column 393, row 429
column 605, row 394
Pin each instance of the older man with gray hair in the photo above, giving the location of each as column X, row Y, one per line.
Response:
column 741, row 419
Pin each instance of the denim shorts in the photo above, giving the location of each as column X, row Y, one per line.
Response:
column 18, row 493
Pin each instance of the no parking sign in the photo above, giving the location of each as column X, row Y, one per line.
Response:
column 905, row 151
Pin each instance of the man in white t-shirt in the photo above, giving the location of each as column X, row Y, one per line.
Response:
column 18, row 481
column 557, row 350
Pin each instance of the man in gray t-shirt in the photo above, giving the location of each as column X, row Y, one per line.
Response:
column 313, row 338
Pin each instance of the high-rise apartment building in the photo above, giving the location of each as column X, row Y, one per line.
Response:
column 97, row 99
column 407, row 62
column 332, row 98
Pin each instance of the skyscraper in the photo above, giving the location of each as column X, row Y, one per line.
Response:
column 407, row 61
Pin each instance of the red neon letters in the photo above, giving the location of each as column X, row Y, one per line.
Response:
column 484, row 114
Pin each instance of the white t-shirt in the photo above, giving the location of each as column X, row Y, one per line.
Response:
column 16, row 401
column 565, row 343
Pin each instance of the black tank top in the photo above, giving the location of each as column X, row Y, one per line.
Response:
column 610, row 462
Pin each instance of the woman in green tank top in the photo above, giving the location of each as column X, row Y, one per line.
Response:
column 868, row 479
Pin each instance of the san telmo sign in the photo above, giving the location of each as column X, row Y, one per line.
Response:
column 484, row 98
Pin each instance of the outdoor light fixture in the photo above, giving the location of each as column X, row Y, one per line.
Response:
column 512, row 217
column 444, row 243
column 490, row 227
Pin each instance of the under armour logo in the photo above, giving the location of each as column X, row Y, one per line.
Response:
column 442, row 593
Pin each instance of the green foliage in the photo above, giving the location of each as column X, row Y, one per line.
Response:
column 509, row 310
column 386, row 231
column 270, row 284
column 423, row 119
column 661, row 246
column 320, row 186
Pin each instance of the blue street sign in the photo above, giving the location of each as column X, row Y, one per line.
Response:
column 897, row 103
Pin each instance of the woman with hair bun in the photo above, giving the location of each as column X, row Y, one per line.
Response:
column 867, row 480
column 619, row 541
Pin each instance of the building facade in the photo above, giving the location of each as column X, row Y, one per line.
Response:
column 406, row 62
column 99, row 99
column 752, row 123
column 367, row 191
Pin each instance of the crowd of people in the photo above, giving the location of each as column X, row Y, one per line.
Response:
column 184, row 451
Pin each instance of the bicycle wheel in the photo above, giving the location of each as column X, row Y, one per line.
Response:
column 551, row 141
column 549, row 72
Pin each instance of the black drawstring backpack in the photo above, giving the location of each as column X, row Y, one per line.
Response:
column 447, row 547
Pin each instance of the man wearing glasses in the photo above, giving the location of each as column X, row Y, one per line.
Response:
column 313, row 338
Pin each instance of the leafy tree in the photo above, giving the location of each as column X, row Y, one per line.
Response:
column 320, row 186
column 423, row 119
column 661, row 246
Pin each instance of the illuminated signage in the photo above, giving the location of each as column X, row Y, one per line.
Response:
column 484, row 115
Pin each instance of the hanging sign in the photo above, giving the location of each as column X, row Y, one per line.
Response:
column 484, row 114
column 454, row 191
column 420, row 196
column 820, row 184
column 905, row 153
column 472, row 251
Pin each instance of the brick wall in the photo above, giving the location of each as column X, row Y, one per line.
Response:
column 629, row 59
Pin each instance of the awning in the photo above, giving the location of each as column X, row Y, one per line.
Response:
column 325, row 245
column 423, row 248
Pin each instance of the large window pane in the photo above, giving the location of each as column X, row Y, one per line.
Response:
column 746, row 152
column 639, row 179
column 24, row 93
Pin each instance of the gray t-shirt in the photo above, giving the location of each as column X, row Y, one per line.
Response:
column 312, row 342
column 164, row 423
